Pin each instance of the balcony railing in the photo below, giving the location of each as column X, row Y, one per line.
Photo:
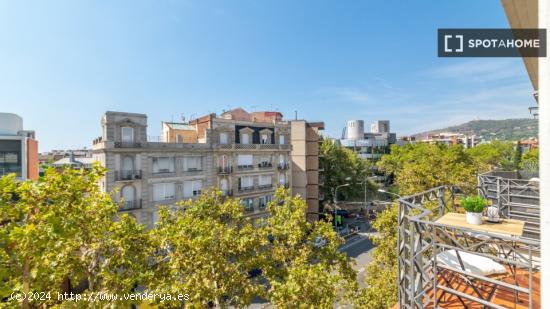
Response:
column 245, row 167
column 223, row 170
column 264, row 187
column 283, row 166
column 441, row 264
column 227, row 193
column 246, row 189
column 130, row 205
column 286, row 185
column 163, row 171
column 127, row 145
column 193, row 169
column 254, row 146
column 264, row 165
column 128, row 175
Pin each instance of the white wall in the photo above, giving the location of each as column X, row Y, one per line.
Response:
column 544, row 143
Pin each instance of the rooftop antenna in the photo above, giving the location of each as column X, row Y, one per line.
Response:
column 182, row 117
column 295, row 115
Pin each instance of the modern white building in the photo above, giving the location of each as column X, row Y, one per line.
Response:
column 18, row 148
column 368, row 145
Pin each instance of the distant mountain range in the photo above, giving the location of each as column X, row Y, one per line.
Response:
column 507, row 129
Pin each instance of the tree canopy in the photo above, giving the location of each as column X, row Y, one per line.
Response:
column 423, row 166
column 59, row 231
column 496, row 154
column 339, row 164
column 62, row 234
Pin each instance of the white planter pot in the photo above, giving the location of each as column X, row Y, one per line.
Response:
column 473, row 218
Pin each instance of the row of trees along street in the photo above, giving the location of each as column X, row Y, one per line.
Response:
column 62, row 233
column 57, row 234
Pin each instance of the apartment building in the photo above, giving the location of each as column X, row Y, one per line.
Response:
column 246, row 155
column 18, row 148
column 450, row 139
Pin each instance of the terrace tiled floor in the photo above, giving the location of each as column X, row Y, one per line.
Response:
column 502, row 297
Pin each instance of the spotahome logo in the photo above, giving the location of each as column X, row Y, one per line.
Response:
column 491, row 42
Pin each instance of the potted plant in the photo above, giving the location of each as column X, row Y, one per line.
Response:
column 474, row 206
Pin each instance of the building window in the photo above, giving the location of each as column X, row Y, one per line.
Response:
column 282, row 179
column 281, row 139
column 127, row 134
column 224, row 138
column 265, row 181
column 163, row 165
column 193, row 164
column 164, row 191
column 248, row 204
column 246, row 182
column 192, row 188
column 265, row 139
column 245, row 161
column 128, row 194
column 264, row 200
column 9, row 163
column 179, row 139
column 127, row 164
column 245, row 138
column 224, row 185
column 265, row 161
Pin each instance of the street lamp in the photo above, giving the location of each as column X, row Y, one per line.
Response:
column 335, row 199
column 364, row 183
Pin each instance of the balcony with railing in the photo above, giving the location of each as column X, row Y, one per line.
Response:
column 227, row 193
column 267, row 186
column 265, row 165
column 127, row 144
column 130, row 205
column 253, row 146
column 246, row 189
column 283, row 166
column 225, row 170
column 245, row 167
column 125, row 175
column 444, row 262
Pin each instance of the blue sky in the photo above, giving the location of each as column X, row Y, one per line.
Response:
column 63, row 63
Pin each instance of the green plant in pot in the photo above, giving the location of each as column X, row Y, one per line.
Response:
column 474, row 206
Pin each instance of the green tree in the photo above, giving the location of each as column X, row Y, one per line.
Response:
column 339, row 164
column 530, row 160
column 60, row 229
column 209, row 248
column 423, row 166
column 496, row 154
column 416, row 168
column 304, row 267
column 206, row 249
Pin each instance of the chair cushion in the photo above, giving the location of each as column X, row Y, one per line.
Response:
column 475, row 264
